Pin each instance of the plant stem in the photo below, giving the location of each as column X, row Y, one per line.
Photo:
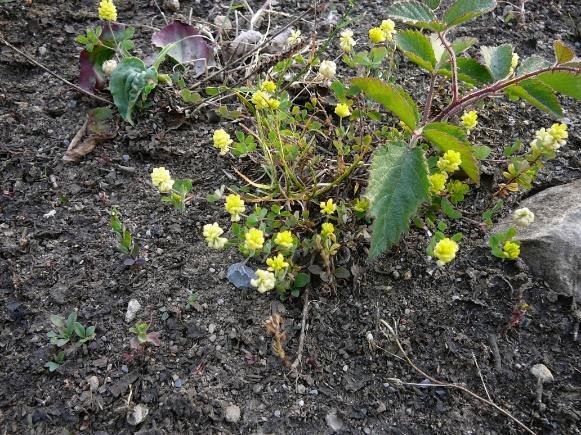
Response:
column 456, row 106
column 429, row 99
column 452, row 55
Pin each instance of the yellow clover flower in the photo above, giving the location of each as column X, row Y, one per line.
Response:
column 559, row 134
column 388, row 28
column 376, row 35
column 346, row 41
column 361, row 205
column 514, row 62
column 328, row 207
column 222, row 141
column 469, row 119
column 212, row 233
column 264, row 281
column 284, row 239
column 328, row 69
column 107, row 10
column 327, row 229
column 276, row 264
column 511, row 250
column 445, row 251
column 342, row 110
column 253, row 240
column 161, row 178
column 260, row 99
column 273, row 103
column 268, row 86
column 438, row 182
column 234, row 205
column 450, row 161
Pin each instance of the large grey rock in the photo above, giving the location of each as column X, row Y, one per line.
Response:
column 551, row 246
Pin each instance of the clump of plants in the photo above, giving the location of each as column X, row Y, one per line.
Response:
column 66, row 330
column 126, row 243
column 143, row 337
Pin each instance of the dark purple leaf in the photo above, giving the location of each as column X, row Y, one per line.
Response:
column 91, row 72
column 153, row 338
column 190, row 45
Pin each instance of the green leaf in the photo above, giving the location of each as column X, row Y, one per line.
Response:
column 417, row 47
column 433, row 4
column 481, row 151
column 498, row 60
column 563, row 53
column 190, row 97
column 463, row 43
column 487, row 215
column 530, row 64
column 496, row 241
column 566, row 82
column 301, row 280
column 469, row 70
column 392, row 97
column 464, row 10
column 416, row 14
column 449, row 209
column 128, row 81
column 446, row 136
column 539, row 95
column 398, row 184
column 182, row 187
column 57, row 321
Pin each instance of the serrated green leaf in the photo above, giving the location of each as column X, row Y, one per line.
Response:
column 398, row 185
column 446, row 136
column 433, row 4
column 416, row 14
column 417, row 47
column 128, row 81
column 498, row 60
column 566, row 82
column 539, row 95
column 469, row 71
column 459, row 45
column 532, row 63
column 465, row 10
column 392, row 97
column 563, row 53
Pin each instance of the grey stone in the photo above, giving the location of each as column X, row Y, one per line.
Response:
column 232, row 413
column 333, row 421
column 551, row 245
column 132, row 308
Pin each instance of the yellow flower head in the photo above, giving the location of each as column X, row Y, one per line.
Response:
column 260, row 99
column 438, row 182
column 277, row 263
column 222, row 141
column 161, row 178
column 559, row 134
column 514, row 62
column 268, row 86
column 346, row 41
column 234, row 205
column 450, row 161
column 294, row 38
column 212, row 233
column 342, row 110
column 511, row 250
column 469, row 119
column 107, row 10
column 264, row 281
column 376, row 35
column 361, row 205
column 327, row 229
column 388, row 28
column 445, row 251
column 253, row 240
column 328, row 207
column 284, row 239
column 273, row 103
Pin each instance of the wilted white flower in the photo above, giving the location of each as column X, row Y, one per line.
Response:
column 328, row 69
column 109, row 66
column 523, row 216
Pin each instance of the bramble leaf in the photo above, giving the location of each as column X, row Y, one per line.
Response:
column 469, row 70
column 417, row 47
column 398, row 184
column 566, row 82
column 563, row 53
column 532, row 63
column 393, row 97
column 465, row 10
column 446, row 136
column 539, row 95
column 498, row 60
column 416, row 14
column 433, row 4
column 128, row 82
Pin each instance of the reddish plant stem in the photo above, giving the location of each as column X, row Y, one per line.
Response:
column 452, row 55
column 456, row 106
column 429, row 99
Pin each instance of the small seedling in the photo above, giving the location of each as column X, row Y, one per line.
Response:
column 67, row 329
column 142, row 337
column 126, row 244
column 56, row 362
column 192, row 300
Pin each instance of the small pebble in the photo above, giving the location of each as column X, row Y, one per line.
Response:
column 211, row 328
column 345, row 367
